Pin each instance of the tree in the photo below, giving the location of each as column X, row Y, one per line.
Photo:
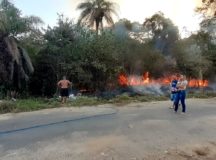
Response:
column 191, row 56
column 162, row 31
column 12, row 23
column 126, row 23
column 205, row 39
column 208, row 31
column 79, row 54
column 207, row 8
column 43, row 81
column 124, row 28
column 55, row 57
column 15, row 62
column 95, row 11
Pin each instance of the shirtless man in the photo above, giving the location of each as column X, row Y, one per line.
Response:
column 64, row 85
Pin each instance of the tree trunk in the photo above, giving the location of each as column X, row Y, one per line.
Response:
column 201, row 78
column 101, row 25
column 15, row 64
column 200, row 74
column 97, row 26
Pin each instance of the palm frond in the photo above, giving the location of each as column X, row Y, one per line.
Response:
column 111, row 11
column 84, row 5
column 96, row 10
column 86, row 15
column 108, row 18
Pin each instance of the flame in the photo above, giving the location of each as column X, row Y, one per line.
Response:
column 134, row 80
column 146, row 79
column 123, row 80
column 198, row 83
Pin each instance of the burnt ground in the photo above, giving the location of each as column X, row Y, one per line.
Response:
column 138, row 131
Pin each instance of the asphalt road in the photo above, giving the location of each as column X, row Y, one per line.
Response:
column 106, row 132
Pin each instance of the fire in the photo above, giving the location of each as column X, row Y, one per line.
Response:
column 197, row 83
column 134, row 80
column 123, row 80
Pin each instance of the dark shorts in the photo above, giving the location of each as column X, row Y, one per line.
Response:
column 64, row 92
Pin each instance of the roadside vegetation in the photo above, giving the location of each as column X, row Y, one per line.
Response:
column 33, row 104
column 92, row 55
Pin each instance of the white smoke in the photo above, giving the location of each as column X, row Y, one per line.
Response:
column 213, row 86
column 151, row 88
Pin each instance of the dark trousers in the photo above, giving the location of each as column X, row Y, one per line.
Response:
column 181, row 95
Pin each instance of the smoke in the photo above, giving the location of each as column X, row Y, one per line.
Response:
column 136, row 27
column 120, row 30
column 134, row 30
column 153, row 89
column 160, row 42
column 157, row 89
column 212, row 87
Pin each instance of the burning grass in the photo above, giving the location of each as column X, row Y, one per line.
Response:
column 145, row 79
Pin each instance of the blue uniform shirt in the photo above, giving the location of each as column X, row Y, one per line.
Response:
column 174, row 86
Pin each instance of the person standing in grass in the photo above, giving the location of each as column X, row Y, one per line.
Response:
column 181, row 95
column 64, row 86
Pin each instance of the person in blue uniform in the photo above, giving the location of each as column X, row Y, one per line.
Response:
column 173, row 88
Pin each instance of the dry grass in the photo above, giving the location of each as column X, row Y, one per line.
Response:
column 203, row 151
column 200, row 152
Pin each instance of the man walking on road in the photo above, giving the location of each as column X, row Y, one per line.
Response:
column 64, row 85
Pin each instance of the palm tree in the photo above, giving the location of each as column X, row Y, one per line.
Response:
column 94, row 11
column 15, row 64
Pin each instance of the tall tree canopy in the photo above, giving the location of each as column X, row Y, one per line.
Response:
column 93, row 12
column 162, row 31
column 208, row 28
column 208, row 8
column 192, row 55
column 12, row 23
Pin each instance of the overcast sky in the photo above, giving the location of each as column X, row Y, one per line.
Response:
column 180, row 11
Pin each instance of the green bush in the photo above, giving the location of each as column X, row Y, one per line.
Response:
column 26, row 105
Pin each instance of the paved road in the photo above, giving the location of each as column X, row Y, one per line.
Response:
column 96, row 132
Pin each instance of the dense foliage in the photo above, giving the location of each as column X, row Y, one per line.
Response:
column 15, row 64
column 93, row 61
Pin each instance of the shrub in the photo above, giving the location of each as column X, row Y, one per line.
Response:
column 7, row 106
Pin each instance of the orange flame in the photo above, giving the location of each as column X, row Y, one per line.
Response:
column 134, row 80
column 123, row 80
column 197, row 83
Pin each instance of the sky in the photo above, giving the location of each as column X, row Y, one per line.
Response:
column 181, row 12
